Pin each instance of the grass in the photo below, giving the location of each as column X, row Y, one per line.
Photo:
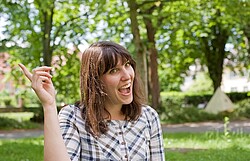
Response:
column 209, row 146
column 22, row 149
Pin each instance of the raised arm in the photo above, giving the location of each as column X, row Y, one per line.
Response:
column 54, row 147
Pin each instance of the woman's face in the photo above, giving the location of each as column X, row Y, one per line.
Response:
column 118, row 84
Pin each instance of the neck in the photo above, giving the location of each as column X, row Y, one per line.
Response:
column 115, row 112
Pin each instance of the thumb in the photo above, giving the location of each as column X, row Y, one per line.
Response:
column 25, row 71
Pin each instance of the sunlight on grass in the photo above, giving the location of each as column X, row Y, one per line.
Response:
column 22, row 149
column 205, row 140
column 209, row 146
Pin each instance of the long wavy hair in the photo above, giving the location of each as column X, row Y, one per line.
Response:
column 98, row 59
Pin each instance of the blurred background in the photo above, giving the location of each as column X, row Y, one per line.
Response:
column 185, row 51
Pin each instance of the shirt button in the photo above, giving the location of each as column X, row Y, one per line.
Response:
column 120, row 133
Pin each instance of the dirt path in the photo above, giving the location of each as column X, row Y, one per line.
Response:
column 234, row 126
column 16, row 134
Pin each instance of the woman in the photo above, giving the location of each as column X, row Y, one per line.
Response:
column 110, row 122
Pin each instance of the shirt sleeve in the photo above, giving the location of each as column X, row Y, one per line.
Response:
column 70, row 133
column 156, row 138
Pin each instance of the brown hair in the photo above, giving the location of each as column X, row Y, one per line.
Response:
column 96, row 61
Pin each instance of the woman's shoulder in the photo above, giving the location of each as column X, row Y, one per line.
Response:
column 70, row 111
column 149, row 110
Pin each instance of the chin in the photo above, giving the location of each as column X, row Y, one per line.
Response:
column 127, row 102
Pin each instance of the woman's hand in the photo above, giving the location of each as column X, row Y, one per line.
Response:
column 41, row 82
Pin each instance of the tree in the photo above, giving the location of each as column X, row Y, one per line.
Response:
column 151, row 28
column 37, row 31
column 139, row 47
column 214, row 48
column 218, row 26
column 198, row 32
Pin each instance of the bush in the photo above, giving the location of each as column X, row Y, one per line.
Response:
column 181, row 99
column 172, row 111
column 243, row 109
column 189, row 114
column 6, row 99
column 38, row 116
column 9, row 123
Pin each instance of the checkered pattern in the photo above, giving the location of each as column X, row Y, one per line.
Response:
column 125, row 140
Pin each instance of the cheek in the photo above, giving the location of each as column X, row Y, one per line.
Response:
column 109, row 84
column 132, row 73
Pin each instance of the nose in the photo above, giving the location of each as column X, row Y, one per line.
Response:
column 126, row 74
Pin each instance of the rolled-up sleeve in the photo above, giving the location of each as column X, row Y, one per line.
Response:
column 70, row 133
column 156, row 137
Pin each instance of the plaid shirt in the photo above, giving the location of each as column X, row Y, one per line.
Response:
column 125, row 140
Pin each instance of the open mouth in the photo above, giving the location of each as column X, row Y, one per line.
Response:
column 125, row 90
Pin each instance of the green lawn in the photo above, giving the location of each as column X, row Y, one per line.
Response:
column 22, row 149
column 210, row 146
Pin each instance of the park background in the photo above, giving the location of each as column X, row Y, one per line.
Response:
column 185, row 50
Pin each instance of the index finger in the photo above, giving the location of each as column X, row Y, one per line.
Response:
column 25, row 71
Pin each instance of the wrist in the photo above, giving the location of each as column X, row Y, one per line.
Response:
column 49, row 107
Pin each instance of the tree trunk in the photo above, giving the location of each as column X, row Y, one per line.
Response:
column 140, row 52
column 247, row 34
column 215, row 54
column 47, row 27
column 153, row 54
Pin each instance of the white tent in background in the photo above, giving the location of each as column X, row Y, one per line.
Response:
column 219, row 102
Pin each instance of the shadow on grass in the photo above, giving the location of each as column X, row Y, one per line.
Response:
column 22, row 149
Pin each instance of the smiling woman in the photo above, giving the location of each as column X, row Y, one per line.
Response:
column 106, row 122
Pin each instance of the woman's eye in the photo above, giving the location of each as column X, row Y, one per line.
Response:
column 113, row 70
column 128, row 63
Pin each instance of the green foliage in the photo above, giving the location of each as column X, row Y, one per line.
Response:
column 238, row 96
column 181, row 28
column 202, row 84
column 5, row 99
column 187, row 26
column 38, row 116
column 193, row 99
column 66, row 78
column 26, row 38
column 182, row 107
column 243, row 109
column 29, row 98
column 18, row 120
column 9, row 123
column 189, row 114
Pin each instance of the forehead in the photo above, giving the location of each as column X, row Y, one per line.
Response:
column 112, row 59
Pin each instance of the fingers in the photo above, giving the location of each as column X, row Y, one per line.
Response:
column 43, row 68
column 41, row 77
column 25, row 71
column 37, row 72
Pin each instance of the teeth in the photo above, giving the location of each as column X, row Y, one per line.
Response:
column 126, row 86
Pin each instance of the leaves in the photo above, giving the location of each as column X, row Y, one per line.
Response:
column 186, row 32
